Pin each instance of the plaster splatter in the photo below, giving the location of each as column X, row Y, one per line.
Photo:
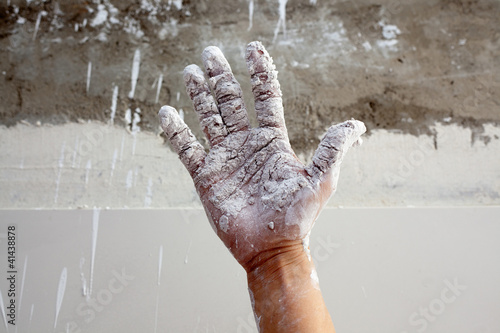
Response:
column 135, row 72
column 95, row 229
column 60, row 293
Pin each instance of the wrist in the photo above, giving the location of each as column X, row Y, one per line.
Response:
column 282, row 271
column 285, row 292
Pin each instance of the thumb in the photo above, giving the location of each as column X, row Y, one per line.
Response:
column 334, row 145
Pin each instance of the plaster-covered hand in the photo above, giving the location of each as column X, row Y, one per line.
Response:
column 257, row 195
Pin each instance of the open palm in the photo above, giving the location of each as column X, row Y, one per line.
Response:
column 257, row 195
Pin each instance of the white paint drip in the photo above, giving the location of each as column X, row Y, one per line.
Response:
column 113, row 104
column 130, row 180
column 89, row 75
column 364, row 291
column 22, row 283
column 250, row 15
column 95, row 229
column 3, row 311
column 31, row 312
column 187, row 252
column 149, row 194
column 113, row 164
column 88, row 167
column 37, row 24
column 160, row 262
column 178, row 96
column 21, row 166
column 128, row 117
column 136, row 173
column 122, row 146
column 181, row 114
column 282, row 20
column 158, row 90
column 136, row 121
column 82, row 277
column 60, row 292
column 60, row 165
column 77, row 142
column 135, row 72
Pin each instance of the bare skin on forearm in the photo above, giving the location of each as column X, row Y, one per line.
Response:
column 260, row 199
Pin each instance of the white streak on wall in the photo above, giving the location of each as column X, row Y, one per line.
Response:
column 3, row 311
column 60, row 292
column 282, row 20
column 82, row 277
column 37, row 24
column 113, row 104
column 77, row 142
column 122, row 146
column 31, row 312
column 130, row 180
column 113, row 164
column 149, row 194
column 22, row 283
column 160, row 262
column 60, row 168
column 158, row 90
column 95, row 229
column 135, row 72
column 87, row 171
column 250, row 15
column 181, row 114
column 89, row 75
column 136, row 121
column 128, row 117
column 187, row 252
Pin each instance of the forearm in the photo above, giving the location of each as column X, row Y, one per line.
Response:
column 286, row 295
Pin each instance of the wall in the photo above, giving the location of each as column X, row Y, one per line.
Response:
column 80, row 130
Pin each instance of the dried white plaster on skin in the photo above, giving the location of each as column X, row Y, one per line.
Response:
column 252, row 172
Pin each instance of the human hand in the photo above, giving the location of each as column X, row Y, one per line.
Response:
column 258, row 196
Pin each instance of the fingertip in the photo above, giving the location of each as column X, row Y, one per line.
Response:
column 210, row 51
column 166, row 111
column 258, row 59
column 192, row 70
column 214, row 61
column 255, row 46
column 166, row 115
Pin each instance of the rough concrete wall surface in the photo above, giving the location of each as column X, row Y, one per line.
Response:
column 82, row 81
